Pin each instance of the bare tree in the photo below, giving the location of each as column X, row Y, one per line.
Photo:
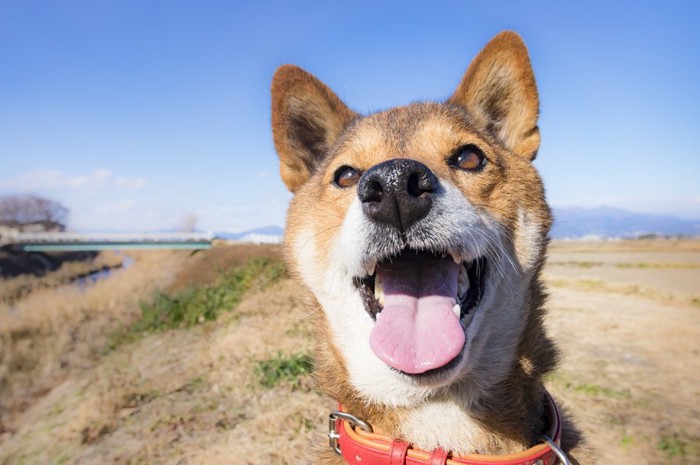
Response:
column 29, row 212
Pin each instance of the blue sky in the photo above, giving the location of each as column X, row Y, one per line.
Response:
column 138, row 114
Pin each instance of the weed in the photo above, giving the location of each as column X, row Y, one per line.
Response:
column 172, row 421
column 300, row 423
column 300, row 329
column 626, row 441
column 208, row 406
column 579, row 264
column 596, row 390
column 617, row 420
column 137, row 399
column 597, row 285
column 656, row 266
column 672, row 445
column 274, row 370
column 57, row 409
column 62, row 458
column 588, row 264
column 95, row 432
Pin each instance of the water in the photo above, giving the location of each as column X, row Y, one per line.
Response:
column 84, row 282
column 99, row 275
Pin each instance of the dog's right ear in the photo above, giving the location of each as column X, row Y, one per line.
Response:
column 307, row 117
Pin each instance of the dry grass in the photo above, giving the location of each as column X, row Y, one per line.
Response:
column 627, row 246
column 198, row 394
column 55, row 331
column 237, row 390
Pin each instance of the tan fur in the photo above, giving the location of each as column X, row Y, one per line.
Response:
column 495, row 404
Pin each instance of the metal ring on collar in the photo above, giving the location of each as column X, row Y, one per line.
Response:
column 557, row 450
column 333, row 435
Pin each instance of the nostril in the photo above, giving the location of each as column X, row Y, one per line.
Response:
column 374, row 192
column 420, row 183
column 370, row 188
column 413, row 185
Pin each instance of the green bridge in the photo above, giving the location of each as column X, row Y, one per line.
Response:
column 63, row 242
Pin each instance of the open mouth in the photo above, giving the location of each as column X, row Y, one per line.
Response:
column 422, row 302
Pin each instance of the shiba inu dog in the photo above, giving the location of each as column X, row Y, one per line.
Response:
column 420, row 231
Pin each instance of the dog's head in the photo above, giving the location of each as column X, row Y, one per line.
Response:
column 420, row 229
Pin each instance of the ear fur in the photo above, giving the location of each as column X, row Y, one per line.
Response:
column 307, row 118
column 499, row 90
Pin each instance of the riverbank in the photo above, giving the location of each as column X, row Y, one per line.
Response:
column 29, row 272
column 134, row 369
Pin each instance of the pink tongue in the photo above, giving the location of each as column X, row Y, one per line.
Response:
column 418, row 329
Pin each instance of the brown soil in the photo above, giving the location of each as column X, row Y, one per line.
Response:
column 630, row 373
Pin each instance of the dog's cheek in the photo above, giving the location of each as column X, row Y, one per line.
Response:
column 528, row 218
column 305, row 257
column 529, row 239
column 352, row 242
column 304, row 244
column 315, row 222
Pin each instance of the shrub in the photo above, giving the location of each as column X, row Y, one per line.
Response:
column 195, row 305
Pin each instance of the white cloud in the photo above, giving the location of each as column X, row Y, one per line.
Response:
column 131, row 183
column 122, row 215
column 48, row 180
column 116, row 207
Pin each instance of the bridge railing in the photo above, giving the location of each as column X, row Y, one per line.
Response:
column 63, row 237
column 61, row 241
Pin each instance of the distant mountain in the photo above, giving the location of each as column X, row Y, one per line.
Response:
column 265, row 230
column 576, row 222
column 571, row 222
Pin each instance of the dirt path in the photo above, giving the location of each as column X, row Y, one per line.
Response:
column 631, row 370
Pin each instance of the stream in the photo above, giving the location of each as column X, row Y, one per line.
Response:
column 84, row 281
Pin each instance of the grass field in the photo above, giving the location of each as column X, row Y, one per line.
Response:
column 206, row 358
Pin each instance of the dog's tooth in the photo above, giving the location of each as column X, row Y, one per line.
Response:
column 379, row 289
column 462, row 284
column 456, row 257
column 370, row 267
column 457, row 310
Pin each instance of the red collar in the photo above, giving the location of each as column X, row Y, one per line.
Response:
column 353, row 438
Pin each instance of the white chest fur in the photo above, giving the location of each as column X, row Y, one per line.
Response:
column 441, row 424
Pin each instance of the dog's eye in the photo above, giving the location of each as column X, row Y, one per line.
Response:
column 346, row 176
column 469, row 158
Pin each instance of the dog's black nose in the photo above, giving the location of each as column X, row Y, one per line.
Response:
column 397, row 192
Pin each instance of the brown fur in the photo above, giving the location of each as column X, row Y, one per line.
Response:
column 495, row 107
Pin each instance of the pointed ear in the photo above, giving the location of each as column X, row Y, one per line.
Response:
column 499, row 90
column 307, row 118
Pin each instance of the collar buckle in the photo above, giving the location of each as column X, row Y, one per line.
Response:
column 334, row 437
column 556, row 449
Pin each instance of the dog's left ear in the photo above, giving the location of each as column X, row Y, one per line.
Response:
column 499, row 89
